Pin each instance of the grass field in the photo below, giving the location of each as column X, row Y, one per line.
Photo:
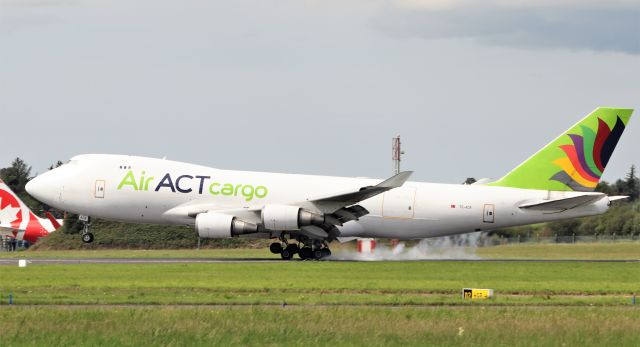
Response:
column 604, row 250
column 325, row 303
column 321, row 283
column 319, row 326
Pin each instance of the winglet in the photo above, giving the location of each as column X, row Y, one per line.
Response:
column 395, row 181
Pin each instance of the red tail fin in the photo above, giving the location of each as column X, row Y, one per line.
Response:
column 53, row 220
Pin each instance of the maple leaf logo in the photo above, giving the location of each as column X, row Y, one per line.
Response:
column 9, row 213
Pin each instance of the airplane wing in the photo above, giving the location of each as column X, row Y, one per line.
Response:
column 337, row 209
column 342, row 204
column 343, row 207
column 562, row 204
column 333, row 203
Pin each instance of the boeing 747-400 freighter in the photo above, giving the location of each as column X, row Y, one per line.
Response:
column 304, row 213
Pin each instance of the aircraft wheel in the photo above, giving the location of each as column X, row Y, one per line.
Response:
column 275, row 248
column 87, row 237
column 305, row 253
column 317, row 253
column 326, row 252
column 293, row 248
column 286, row 254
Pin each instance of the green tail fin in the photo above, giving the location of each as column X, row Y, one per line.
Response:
column 576, row 159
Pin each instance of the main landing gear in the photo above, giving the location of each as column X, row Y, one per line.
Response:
column 288, row 250
column 87, row 236
column 310, row 253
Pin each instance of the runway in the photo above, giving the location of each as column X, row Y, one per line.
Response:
column 73, row 261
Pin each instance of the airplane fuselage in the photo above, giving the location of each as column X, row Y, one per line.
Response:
column 157, row 191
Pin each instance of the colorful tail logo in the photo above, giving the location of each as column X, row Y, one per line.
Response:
column 575, row 160
column 587, row 157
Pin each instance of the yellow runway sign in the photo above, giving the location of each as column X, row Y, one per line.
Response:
column 474, row 293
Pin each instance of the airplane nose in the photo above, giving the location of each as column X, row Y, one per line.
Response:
column 43, row 188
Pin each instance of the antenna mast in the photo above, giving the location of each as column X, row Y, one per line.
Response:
column 396, row 154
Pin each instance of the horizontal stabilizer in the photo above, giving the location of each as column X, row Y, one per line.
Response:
column 618, row 197
column 562, row 204
column 8, row 229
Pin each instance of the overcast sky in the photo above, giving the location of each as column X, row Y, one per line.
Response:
column 319, row 87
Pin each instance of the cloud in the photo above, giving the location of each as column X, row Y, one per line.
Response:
column 583, row 25
column 33, row 3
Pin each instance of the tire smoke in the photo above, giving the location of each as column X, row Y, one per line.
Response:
column 462, row 246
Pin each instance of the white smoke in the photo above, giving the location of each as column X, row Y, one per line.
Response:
column 447, row 247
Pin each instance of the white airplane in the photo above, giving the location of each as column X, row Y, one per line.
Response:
column 555, row 183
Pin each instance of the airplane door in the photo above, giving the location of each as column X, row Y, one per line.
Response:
column 489, row 213
column 399, row 203
column 99, row 189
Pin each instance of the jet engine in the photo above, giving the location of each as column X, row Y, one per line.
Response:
column 217, row 225
column 283, row 217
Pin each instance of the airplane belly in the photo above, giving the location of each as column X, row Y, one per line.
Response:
column 393, row 228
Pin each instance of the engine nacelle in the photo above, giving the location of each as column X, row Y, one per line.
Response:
column 283, row 217
column 213, row 225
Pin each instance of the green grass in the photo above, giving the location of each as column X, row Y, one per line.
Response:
column 321, row 326
column 328, row 303
column 398, row 283
column 623, row 250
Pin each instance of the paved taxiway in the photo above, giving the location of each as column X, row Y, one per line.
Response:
column 50, row 261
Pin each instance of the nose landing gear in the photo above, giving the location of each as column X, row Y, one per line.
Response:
column 87, row 236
